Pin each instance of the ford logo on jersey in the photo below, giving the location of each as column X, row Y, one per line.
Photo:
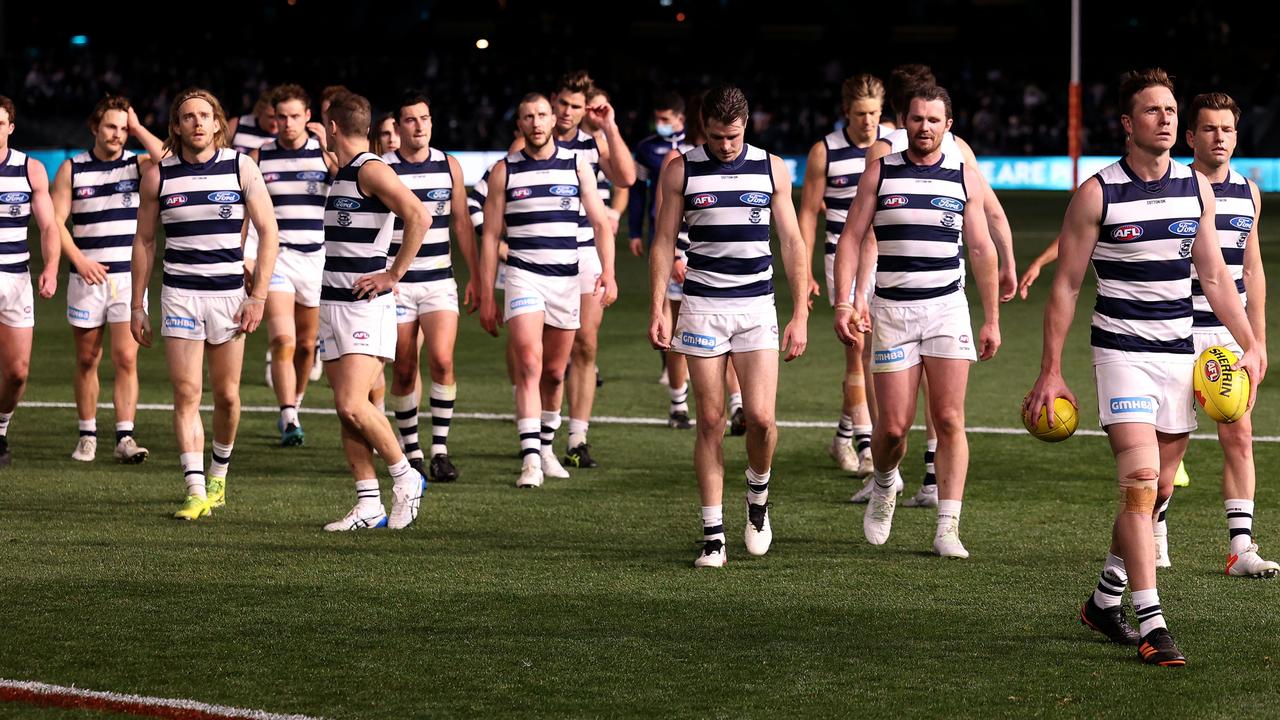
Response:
column 1132, row 405
column 175, row 200
column 439, row 194
column 1127, row 232
column 1242, row 223
column 1184, row 227
column 893, row 201
column 346, row 204
column 947, row 203
column 127, row 186
column 14, row 198
column 754, row 198
column 224, row 196
column 520, row 193
column 312, row 175
column 564, row 190
column 703, row 200
column 270, row 177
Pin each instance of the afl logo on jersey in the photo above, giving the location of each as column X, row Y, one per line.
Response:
column 1127, row 232
column 270, row 177
column 439, row 194
column 564, row 190
column 86, row 192
column 175, row 200
column 346, row 204
column 520, row 193
column 754, row 198
column 703, row 200
column 127, row 186
column 1184, row 227
column 1242, row 223
column 224, row 196
column 946, row 203
column 893, row 201
column 14, row 198
column 839, row 181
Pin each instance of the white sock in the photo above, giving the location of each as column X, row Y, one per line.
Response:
column 1162, row 527
column 221, row 459
column 297, row 403
column 577, row 432
column 1240, row 524
column 368, row 497
column 4, row 423
column 193, row 471
column 1111, row 583
column 547, row 432
column 735, row 402
column 680, row 398
column 402, row 471
column 862, row 437
column 713, row 522
column 1146, row 605
column 289, row 415
column 885, row 479
column 529, row 442
column 124, row 428
column 89, row 427
column 443, row 398
column 758, row 486
column 948, row 513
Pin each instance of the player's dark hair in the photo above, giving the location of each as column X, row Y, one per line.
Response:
column 1135, row 81
column 725, row 104
column 577, row 81
column 375, row 133
column 351, row 113
column 530, row 98
column 7, row 105
column 669, row 101
column 1213, row 101
column 906, row 79
column 931, row 93
column 105, row 105
column 410, row 99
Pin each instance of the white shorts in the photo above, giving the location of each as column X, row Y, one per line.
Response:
column 589, row 270
column 92, row 306
column 708, row 335
column 500, row 282
column 360, row 328
column 17, row 301
column 1151, row 392
column 556, row 297
column 199, row 317
column 414, row 300
column 298, row 273
column 829, row 262
column 1205, row 339
column 902, row 333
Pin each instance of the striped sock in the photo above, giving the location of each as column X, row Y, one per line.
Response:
column 193, row 471
column 528, row 429
column 735, row 402
column 124, row 429
column 89, row 427
column 713, row 523
column 844, row 430
column 1146, row 605
column 368, row 497
column 221, row 459
column 1240, row 524
column 680, row 398
column 405, row 408
column 442, row 400
column 550, row 423
column 1162, row 527
column 1111, row 583
column 4, row 423
column 862, row 438
column 758, row 486
column 930, row 472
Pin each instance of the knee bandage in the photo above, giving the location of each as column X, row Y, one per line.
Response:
column 1138, row 471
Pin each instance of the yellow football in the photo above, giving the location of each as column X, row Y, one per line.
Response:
column 1065, row 420
column 1222, row 391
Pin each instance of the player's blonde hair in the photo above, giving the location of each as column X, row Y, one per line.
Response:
column 221, row 133
column 864, row 86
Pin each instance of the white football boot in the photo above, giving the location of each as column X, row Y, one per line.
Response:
column 758, row 533
column 926, row 496
column 530, row 476
column 1250, row 564
column 551, row 467
column 406, row 498
column 844, row 455
column 712, row 555
column 355, row 520
column 86, row 449
column 877, row 521
column 947, row 542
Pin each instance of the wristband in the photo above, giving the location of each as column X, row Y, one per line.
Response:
column 842, row 305
column 254, row 300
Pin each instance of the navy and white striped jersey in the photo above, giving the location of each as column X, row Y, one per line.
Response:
column 202, row 208
column 431, row 181
column 728, row 207
column 15, row 213
column 1143, row 264
column 104, row 208
column 543, row 206
column 1235, row 217
column 898, row 142
column 298, row 181
column 918, row 223
column 476, row 198
column 357, row 233
column 249, row 135
column 845, row 163
column 584, row 146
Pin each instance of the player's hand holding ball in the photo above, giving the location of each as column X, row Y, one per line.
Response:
column 1222, row 384
column 1050, row 391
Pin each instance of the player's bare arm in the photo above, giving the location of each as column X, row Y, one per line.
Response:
column 260, row 212
column 91, row 272
column 795, row 260
column 47, row 223
column 466, row 234
column 598, row 215
column 851, row 263
column 379, row 180
column 997, row 223
column 144, row 252
column 982, row 256
column 495, row 206
column 662, row 253
column 811, row 205
column 1255, row 281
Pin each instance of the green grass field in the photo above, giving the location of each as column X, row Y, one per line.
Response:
column 578, row 600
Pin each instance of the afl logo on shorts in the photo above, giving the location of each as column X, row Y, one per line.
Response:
column 346, row 204
column 439, row 194
column 175, row 200
column 520, row 193
column 360, row 335
column 946, row 203
column 703, row 200
column 893, row 201
column 224, row 196
column 85, row 192
column 1184, row 227
column 754, row 198
column 564, row 190
column 1127, row 232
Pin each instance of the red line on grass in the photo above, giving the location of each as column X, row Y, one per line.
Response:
column 45, row 695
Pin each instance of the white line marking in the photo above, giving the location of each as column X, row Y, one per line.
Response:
column 38, row 693
column 612, row 419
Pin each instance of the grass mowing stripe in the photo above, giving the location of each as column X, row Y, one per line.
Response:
column 608, row 419
column 42, row 694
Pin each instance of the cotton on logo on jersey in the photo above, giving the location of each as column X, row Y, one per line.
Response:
column 704, row 200
column 1132, row 405
column 1127, row 232
column 894, row 201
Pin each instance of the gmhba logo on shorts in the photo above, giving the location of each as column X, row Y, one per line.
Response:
column 890, row 355
column 705, row 342
column 1132, row 405
column 177, row 322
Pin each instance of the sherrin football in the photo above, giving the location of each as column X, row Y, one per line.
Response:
column 1222, row 391
column 1065, row 420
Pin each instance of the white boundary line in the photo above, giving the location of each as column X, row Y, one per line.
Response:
column 38, row 693
column 612, row 419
